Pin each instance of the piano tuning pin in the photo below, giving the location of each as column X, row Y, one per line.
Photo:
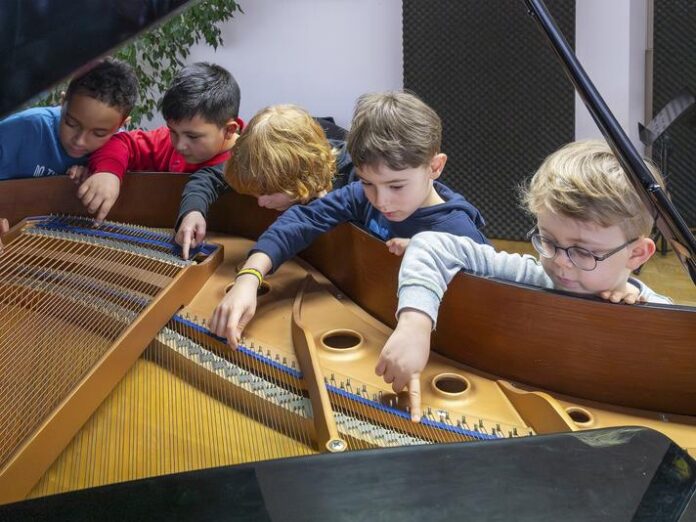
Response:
column 481, row 423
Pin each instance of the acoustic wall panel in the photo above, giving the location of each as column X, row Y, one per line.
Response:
column 674, row 70
column 500, row 91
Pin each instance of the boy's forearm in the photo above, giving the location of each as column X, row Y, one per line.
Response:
column 112, row 158
column 430, row 263
column 259, row 261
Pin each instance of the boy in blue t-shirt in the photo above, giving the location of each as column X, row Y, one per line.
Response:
column 394, row 142
column 45, row 141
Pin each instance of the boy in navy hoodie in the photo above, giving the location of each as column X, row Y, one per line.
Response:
column 394, row 142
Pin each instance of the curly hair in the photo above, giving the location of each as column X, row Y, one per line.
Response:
column 283, row 149
column 111, row 82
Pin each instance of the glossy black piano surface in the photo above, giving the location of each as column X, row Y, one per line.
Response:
column 609, row 474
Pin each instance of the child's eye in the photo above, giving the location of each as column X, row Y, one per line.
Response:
column 101, row 134
column 397, row 188
column 71, row 124
column 365, row 183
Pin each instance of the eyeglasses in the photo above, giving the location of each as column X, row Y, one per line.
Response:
column 580, row 257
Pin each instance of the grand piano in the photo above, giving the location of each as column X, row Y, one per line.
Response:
column 161, row 420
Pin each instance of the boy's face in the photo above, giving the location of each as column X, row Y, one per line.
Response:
column 610, row 274
column 399, row 193
column 199, row 140
column 86, row 124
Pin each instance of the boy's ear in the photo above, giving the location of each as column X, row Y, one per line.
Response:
column 126, row 121
column 62, row 97
column 641, row 251
column 437, row 164
column 231, row 128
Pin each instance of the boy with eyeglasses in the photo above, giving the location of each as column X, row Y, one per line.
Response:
column 592, row 231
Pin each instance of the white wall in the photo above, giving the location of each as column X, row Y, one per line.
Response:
column 610, row 43
column 320, row 54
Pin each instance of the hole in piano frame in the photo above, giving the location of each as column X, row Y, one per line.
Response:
column 451, row 384
column 397, row 401
column 263, row 288
column 343, row 339
column 580, row 416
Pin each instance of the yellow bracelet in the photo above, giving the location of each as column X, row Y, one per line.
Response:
column 251, row 271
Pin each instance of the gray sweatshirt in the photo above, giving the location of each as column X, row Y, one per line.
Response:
column 432, row 259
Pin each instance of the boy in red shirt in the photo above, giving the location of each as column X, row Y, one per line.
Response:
column 201, row 109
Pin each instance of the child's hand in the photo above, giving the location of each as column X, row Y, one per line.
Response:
column 191, row 232
column 99, row 193
column 397, row 245
column 78, row 173
column 277, row 201
column 629, row 294
column 4, row 227
column 404, row 356
column 235, row 310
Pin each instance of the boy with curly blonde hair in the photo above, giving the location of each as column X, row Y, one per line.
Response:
column 283, row 157
column 592, row 231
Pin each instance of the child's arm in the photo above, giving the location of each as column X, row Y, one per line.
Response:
column 298, row 226
column 290, row 233
column 131, row 150
column 238, row 307
column 431, row 261
column 405, row 354
column 202, row 189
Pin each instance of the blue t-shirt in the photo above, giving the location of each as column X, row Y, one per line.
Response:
column 30, row 146
column 298, row 226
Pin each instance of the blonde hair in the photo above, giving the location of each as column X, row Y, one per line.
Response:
column 395, row 128
column 584, row 180
column 283, row 149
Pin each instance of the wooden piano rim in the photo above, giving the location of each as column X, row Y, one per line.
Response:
column 636, row 356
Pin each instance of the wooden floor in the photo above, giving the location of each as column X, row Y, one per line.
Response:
column 664, row 274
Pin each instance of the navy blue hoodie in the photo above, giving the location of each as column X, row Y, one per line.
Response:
column 298, row 226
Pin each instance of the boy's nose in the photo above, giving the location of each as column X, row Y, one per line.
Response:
column 562, row 258
column 381, row 200
column 81, row 139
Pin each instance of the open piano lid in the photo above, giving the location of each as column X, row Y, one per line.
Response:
column 44, row 41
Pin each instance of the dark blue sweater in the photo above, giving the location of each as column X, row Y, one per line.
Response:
column 298, row 226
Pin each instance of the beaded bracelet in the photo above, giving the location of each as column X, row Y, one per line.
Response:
column 251, row 271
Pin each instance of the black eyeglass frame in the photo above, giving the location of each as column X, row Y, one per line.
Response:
column 535, row 233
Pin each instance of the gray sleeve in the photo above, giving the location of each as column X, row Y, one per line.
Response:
column 432, row 259
column 202, row 189
column 648, row 294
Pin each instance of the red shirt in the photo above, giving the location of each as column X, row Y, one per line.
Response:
column 141, row 150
